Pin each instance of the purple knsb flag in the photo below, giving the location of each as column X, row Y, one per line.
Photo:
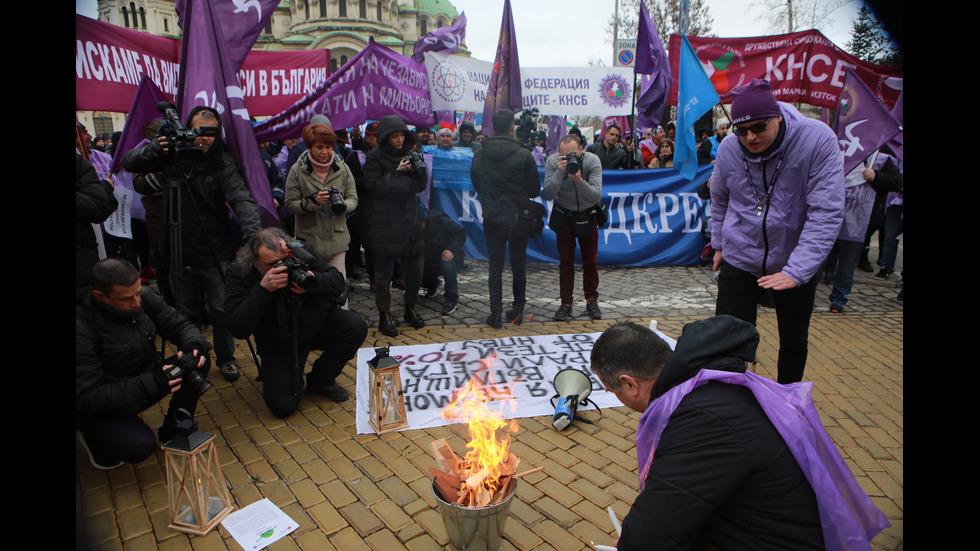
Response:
column 504, row 90
column 241, row 23
column 651, row 60
column 209, row 77
column 444, row 39
column 863, row 122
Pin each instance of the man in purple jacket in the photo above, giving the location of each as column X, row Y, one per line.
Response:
column 777, row 199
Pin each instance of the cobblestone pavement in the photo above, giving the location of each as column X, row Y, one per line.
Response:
column 349, row 491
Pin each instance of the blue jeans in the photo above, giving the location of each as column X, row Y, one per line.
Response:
column 209, row 281
column 449, row 271
column 845, row 255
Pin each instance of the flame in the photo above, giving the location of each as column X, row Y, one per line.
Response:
column 489, row 445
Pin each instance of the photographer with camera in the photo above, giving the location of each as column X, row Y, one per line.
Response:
column 320, row 192
column 573, row 179
column 394, row 173
column 202, row 177
column 289, row 298
column 118, row 372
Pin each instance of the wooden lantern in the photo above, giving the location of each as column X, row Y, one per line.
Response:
column 199, row 499
column 387, row 405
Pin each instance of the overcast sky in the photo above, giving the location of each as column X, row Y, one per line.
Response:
column 573, row 32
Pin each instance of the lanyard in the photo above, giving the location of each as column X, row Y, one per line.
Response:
column 763, row 201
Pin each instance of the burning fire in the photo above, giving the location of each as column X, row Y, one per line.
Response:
column 483, row 466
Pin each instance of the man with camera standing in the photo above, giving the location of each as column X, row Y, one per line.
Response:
column 505, row 175
column 117, row 369
column 574, row 181
column 209, row 179
column 290, row 299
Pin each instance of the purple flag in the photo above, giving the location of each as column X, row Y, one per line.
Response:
column 504, row 90
column 897, row 142
column 209, row 77
column 651, row 60
column 143, row 110
column 444, row 39
column 863, row 123
column 241, row 23
column 374, row 83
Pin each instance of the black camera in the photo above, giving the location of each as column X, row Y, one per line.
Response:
column 297, row 271
column 185, row 368
column 415, row 160
column 183, row 148
column 526, row 129
column 337, row 204
column 574, row 163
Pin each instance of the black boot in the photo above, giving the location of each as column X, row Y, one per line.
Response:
column 412, row 317
column 387, row 325
column 515, row 314
column 493, row 320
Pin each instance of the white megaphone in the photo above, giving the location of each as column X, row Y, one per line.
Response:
column 572, row 388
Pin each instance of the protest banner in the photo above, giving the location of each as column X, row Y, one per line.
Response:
column 526, row 365
column 655, row 216
column 460, row 84
column 111, row 60
column 802, row 67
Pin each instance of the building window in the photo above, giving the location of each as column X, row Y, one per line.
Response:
column 425, row 27
column 125, row 17
column 342, row 4
column 142, row 18
column 166, row 25
column 268, row 26
column 379, row 11
column 323, row 9
column 306, row 5
column 362, row 11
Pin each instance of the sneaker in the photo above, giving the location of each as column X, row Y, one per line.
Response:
column 593, row 309
column 883, row 274
column 431, row 291
column 564, row 312
column 99, row 463
column 231, row 371
column 332, row 392
column 836, row 308
column 449, row 308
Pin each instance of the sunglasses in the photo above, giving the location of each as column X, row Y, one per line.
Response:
column 756, row 128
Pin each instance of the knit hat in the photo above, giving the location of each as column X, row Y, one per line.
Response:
column 321, row 119
column 371, row 129
column 444, row 131
column 754, row 101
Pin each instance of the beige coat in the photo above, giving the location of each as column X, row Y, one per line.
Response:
column 316, row 224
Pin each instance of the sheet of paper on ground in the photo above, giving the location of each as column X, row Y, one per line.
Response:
column 431, row 372
column 258, row 525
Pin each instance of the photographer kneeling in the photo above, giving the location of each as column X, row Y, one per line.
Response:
column 118, row 372
column 289, row 298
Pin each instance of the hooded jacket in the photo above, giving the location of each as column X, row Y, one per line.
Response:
column 793, row 233
column 720, row 474
column 394, row 218
column 208, row 230
column 503, row 167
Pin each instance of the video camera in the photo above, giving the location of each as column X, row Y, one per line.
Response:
column 527, row 127
column 182, row 146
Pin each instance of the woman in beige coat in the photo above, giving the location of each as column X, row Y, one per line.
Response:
column 320, row 193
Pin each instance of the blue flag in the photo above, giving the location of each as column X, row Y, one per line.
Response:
column 504, row 89
column 695, row 96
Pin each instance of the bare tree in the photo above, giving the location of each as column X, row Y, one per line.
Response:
column 666, row 17
column 789, row 16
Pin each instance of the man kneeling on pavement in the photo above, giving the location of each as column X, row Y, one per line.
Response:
column 118, row 372
column 728, row 459
column 290, row 299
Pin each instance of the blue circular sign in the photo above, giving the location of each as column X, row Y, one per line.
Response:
column 626, row 57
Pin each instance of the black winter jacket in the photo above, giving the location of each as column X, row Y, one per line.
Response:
column 391, row 201
column 94, row 202
column 721, row 475
column 503, row 167
column 252, row 310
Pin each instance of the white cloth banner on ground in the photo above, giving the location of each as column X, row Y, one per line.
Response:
column 460, row 84
column 431, row 372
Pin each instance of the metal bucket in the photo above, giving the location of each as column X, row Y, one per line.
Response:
column 475, row 528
